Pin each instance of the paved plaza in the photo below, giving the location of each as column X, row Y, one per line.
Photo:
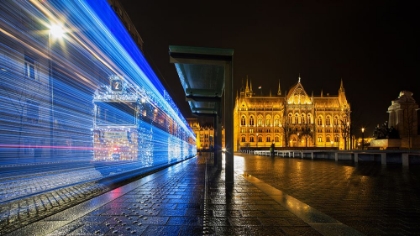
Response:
column 270, row 196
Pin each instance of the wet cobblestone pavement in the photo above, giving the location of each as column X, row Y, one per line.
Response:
column 369, row 197
column 270, row 196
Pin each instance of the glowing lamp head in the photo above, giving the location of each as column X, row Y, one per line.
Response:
column 57, row 30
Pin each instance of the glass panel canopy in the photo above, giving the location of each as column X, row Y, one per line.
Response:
column 202, row 75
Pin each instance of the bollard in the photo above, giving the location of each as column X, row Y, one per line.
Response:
column 383, row 158
column 336, row 156
column 356, row 157
column 312, row 155
column 405, row 159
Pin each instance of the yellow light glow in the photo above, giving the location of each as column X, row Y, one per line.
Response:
column 57, row 30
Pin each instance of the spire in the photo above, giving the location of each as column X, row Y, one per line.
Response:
column 299, row 78
column 341, row 86
column 250, row 86
column 279, row 90
column 246, row 86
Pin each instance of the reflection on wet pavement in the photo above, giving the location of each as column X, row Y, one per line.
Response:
column 371, row 198
column 270, row 196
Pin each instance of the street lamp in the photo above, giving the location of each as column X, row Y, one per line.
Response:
column 363, row 137
column 56, row 31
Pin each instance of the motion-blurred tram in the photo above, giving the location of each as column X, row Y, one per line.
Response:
column 130, row 127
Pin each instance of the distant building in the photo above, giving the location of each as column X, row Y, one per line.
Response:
column 295, row 119
column 204, row 134
column 403, row 121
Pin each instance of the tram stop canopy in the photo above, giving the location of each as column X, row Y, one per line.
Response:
column 206, row 75
column 202, row 74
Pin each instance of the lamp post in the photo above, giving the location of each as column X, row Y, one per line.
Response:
column 363, row 137
column 56, row 31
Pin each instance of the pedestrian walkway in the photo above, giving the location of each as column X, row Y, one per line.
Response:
column 192, row 198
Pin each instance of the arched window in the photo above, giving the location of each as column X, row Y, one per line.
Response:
column 251, row 121
column 319, row 139
column 336, row 120
column 328, row 139
column 251, row 139
column 260, row 120
column 309, row 119
column 303, row 119
column 268, row 121
column 268, row 139
column 336, row 138
column 243, row 120
column 277, row 139
column 243, row 139
column 319, row 120
column 259, row 138
column 276, row 121
column 296, row 121
column 290, row 118
column 328, row 120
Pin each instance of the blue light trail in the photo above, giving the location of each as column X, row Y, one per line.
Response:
column 58, row 108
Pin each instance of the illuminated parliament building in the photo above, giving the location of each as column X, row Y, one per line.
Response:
column 295, row 119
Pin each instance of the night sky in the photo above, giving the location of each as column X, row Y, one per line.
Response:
column 373, row 46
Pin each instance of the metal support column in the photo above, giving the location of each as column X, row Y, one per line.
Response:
column 228, row 120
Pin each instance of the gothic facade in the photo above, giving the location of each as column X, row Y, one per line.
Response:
column 295, row 119
column 204, row 134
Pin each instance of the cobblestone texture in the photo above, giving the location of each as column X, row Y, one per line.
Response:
column 182, row 200
column 22, row 212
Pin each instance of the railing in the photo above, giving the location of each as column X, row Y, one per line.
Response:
column 404, row 157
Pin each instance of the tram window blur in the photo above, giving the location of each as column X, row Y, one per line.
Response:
column 115, row 113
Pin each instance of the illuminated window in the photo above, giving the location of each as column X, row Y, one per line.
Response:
column 319, row 120
column 251, row 120
column 276, row 139
column 336, row 138
column 259, row 121
column 243, row 120
column 336, row 120
column 319, row 139
column 328, row 120
column 296, row 121
column 29, row 67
